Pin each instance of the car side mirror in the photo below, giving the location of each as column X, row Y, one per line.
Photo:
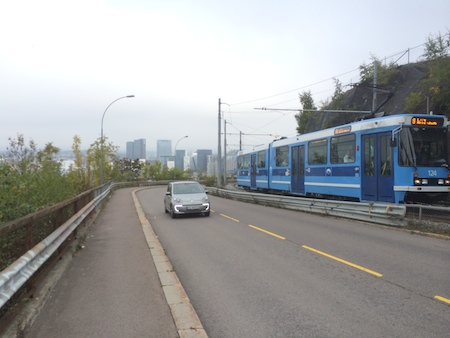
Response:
column 168, row 193
column 206, row 191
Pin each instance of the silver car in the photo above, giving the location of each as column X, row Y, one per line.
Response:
column 186, row 197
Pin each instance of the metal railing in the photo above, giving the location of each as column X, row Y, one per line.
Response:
column 426, row 218
column 34, row 242
column 381, row 213
column 31, row 244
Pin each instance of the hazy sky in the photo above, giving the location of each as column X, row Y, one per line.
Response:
column 63, row 62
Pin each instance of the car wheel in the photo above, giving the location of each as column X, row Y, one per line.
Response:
column 206, row 214
column 165, row 209
column 172, row 213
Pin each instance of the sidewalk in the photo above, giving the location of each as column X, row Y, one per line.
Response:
column 120, row 284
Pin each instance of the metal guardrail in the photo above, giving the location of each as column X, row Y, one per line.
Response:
column 381, row 213
column 34, row 239
column 16, row 275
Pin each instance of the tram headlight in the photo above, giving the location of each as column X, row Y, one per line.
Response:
column 447, row 182
column 420, row 181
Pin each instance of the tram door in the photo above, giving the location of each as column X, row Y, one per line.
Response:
column 253, row 171
column 377, row 172
column 298, row 170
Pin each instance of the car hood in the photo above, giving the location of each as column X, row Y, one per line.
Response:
column 191, row 198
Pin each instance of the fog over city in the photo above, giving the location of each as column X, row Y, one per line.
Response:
column 62, row 63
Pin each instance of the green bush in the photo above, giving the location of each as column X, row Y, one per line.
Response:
column 413, row 102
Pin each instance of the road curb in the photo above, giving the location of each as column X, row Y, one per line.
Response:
column 184, row 315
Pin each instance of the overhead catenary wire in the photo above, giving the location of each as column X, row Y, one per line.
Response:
column 294, row 90
column 401, row 53
column 288, row 111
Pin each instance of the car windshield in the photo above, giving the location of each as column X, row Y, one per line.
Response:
column 187, row 188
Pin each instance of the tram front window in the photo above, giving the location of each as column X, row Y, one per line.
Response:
column 423, row 147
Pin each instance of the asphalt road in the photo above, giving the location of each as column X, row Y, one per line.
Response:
column 254, row 271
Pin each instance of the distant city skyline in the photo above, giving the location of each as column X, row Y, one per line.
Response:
column 136, row 149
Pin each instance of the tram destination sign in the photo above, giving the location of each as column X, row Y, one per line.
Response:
column 427, row 121
column 342, row 130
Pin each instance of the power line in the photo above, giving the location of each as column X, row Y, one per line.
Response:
column 294, row 90
column 328, row 79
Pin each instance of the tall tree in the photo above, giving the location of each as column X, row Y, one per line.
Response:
column 21, row 156
column 303, row 117
column 437, row 86
column 437, row 47
column 77, row 175
column 94, row 160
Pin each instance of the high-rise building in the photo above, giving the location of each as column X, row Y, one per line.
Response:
column 130, row 150
column 164, row 151
column 179, row 159
column 137, row 149
column 202, row 160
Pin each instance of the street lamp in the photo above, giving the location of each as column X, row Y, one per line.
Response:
column 102, row 165
column 175, row 150
column 177, row 143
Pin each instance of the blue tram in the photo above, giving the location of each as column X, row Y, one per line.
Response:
column 393, row 159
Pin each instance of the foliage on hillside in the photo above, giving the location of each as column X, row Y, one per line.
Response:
column 421, row 87
column 32, row 179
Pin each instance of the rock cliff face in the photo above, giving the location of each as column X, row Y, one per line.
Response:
column 406, row 80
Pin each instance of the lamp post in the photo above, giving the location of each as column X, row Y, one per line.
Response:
column 175, row 156
column 102, row 164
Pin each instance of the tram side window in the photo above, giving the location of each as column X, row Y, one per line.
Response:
column 369, row 169
column 386, row 156
column 244, row 162
column 317, row 152
column 343, row 149
column 282, row 156
column 262, row 159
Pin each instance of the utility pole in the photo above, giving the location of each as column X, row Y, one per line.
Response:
column 240, row 140
column 225, row 153
column 375, row 84
column 219, row 152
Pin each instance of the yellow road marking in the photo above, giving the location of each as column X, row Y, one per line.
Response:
column 231, row 218
column 343, row 261
column 267, row 232
column 442, row 299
